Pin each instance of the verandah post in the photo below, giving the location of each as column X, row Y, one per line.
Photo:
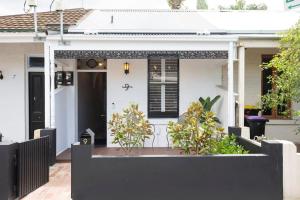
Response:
column 231, row 101
column 241, row 85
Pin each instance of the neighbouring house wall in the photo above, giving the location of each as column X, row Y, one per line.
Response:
column 65, row 110
column 275, row 129
column 13, row 100
column 283, row 130
column 197, row 78
column 253, row 60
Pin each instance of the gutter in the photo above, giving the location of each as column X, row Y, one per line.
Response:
column 110, row 37
column 25, row 37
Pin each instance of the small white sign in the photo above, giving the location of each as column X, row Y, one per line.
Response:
column 291, row 4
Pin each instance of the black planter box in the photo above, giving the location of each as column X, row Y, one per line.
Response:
column 225, row 177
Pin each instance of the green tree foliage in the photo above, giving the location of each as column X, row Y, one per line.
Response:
column 175, row 4
column 241, row 5
column 286, row 64
column 202, row 5
column 254, row 6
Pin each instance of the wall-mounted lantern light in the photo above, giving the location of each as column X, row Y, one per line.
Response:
column 1, row 75
column 126, row 68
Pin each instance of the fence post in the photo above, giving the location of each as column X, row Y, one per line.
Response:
column 274, row 149
column 81, row 157
column 291, row 184
column 51, row 132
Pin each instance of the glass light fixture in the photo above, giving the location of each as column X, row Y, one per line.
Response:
column 126, row 68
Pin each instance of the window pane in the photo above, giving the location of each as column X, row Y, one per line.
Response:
column 163, row 88
column 36, row 62
column 281, row 110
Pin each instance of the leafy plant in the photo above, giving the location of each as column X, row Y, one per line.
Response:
column 130, row 129
column 175, row 4
column 226, row 145
column 207, row 105
column 201, row 4
column 241, row 5
column 286, row 80
column 191, row 135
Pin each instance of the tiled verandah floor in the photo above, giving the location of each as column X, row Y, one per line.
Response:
column 58, row 187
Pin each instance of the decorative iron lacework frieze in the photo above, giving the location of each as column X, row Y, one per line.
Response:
column 85, row 54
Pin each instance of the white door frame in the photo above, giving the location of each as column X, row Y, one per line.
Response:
column 76, row 71
column 29, row 69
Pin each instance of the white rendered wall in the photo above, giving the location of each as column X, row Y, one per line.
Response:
column 12, row 89
column 65, row 110
column 117, row 97
column 298, row 175
column 291, row 173
column 197, row 78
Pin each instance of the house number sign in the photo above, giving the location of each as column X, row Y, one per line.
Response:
column 126, row 86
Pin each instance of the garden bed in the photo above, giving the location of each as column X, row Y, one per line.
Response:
column 177, row 177
column 136, row 151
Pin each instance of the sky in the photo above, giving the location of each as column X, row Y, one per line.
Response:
column 16, row 6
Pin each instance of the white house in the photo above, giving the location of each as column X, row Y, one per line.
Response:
column 174, row 57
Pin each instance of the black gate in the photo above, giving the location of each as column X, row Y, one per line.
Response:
column 33, row 165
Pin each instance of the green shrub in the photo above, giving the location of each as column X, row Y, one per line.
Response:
column 193, row 133
column 226, row 145
column 130, row 129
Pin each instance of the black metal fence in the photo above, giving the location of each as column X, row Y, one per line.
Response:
column 33, row 165
column 24, row 166
column 52, row 143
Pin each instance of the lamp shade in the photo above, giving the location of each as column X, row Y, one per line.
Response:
column 58, row 5
column 32, row 3
column 126, row 68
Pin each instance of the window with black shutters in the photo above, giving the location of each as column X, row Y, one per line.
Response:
column 163, row 90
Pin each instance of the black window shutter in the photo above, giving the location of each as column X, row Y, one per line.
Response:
column 163, row 88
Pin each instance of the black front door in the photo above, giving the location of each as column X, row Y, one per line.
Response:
column 92, row 104
column 36, row 102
